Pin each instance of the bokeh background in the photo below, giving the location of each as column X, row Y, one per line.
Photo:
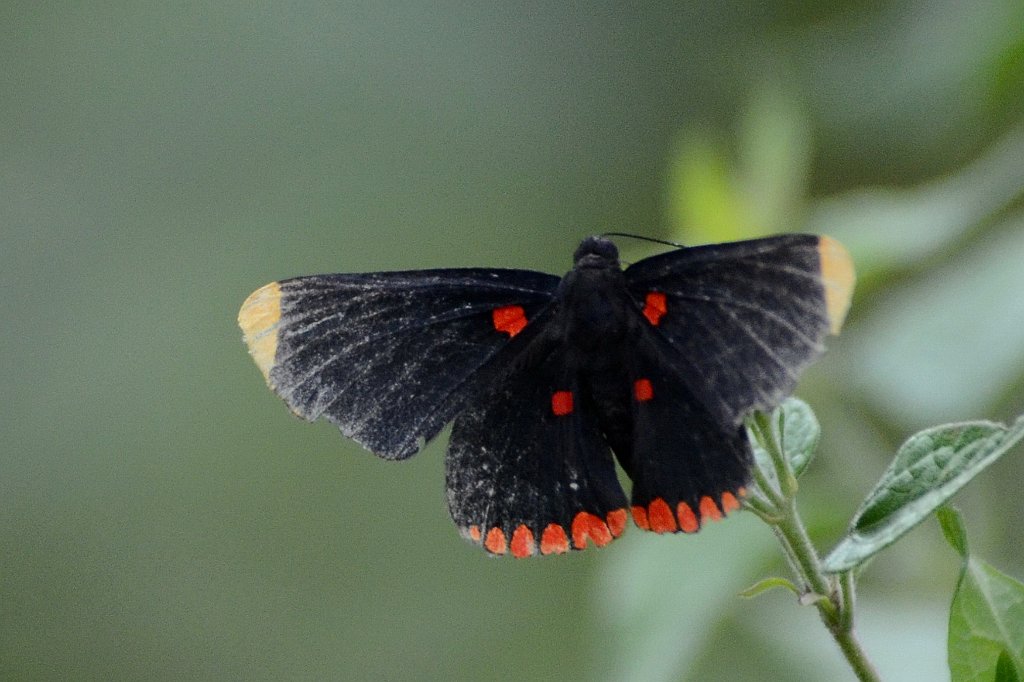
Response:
column 162, row 516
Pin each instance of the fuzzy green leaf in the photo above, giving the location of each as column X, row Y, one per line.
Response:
column 762, row 586
column 797, row 431
column 986, row 619
column 1006, row 671
column 800, row 433
column 928, row 469
column 953, row 528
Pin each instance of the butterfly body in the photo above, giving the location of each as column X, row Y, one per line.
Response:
column 548, row 380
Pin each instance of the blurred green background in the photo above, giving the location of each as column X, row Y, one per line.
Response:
column 162, row 516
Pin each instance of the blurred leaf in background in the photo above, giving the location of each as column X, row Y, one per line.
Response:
column 163, row 517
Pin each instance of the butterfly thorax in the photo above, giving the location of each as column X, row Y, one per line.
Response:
column 593, row 301
column 593, row 304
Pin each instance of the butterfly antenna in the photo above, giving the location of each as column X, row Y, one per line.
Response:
column 642, row 238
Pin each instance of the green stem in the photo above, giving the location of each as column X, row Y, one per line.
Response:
column 836, row 606
column 769, row 439
column 792, row 530
column 834, row 596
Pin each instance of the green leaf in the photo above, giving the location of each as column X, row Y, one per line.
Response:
column 797, row 431
column 986, row 619
column 800, row 433
column 1006, row 671
column 953, row 528
column 762, row 586
column 928, row 469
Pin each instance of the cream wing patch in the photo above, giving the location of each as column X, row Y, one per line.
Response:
column 838, row 277
column 259, row 318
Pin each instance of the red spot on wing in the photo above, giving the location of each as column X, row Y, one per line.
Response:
column 660, row 517
column 655, row 306
column 474, row 533
column 729, row 502
column 616, row 521
column 561, row 403
column 522, row 544
column 642, row 390
column 554, row 540
column 640, row 517
column 709, row 510
column 509, row 319
column 495, row 542
column 588, row 526
column 688, row 522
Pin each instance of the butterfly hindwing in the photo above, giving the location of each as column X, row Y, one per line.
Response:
column 527, row 469
column 388, row 357
column 745, row 317
column 687, row 466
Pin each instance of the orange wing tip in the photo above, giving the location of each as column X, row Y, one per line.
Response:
column 586, row 527
column 838, row 277
column 554, row 540
column 259, row 318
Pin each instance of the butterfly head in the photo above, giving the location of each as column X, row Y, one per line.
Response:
column 596, row 252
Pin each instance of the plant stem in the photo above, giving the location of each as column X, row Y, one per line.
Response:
column 835, row 604
column 832, row 595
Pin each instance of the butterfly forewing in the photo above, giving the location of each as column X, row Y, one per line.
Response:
column 746, row 317
column 388, row 357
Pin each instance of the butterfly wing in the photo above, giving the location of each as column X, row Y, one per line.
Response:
column 745, row 317
column 686, row 464
column 390, row 357
column 726, row 328
column 527, row 469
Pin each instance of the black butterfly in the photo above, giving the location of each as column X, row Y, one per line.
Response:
column 546, row 377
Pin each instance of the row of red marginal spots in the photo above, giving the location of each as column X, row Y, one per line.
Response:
column 658, row 517
column 586, row 528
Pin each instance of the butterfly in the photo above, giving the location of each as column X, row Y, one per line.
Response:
column 549, row 381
